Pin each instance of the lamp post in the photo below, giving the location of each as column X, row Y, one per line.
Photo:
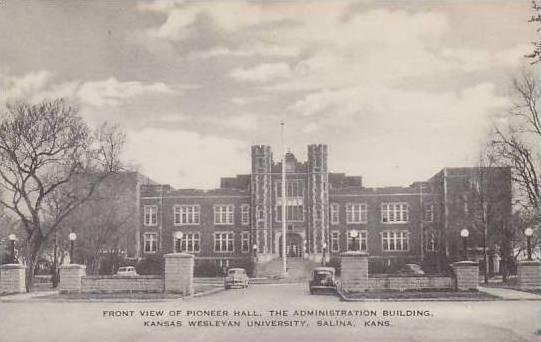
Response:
column 464, row 233
column 72, row 237
column 254, row 269
column 529, row 232
column 354, row 234
column 178, row 237
column 12, row 238
column 323, row 260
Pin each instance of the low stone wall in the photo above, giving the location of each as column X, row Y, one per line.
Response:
column 393, row 282
column 529, row 275
column 147, row 283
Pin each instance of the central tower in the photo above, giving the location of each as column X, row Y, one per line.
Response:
column 318, row 199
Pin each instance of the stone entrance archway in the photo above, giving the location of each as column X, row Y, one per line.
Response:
column 294, row 245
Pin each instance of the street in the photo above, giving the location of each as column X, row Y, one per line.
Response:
column 245, row 315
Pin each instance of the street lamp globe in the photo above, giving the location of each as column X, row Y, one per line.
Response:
column 353, row 233
column 72, row 236
column 464, row 233
column 528, row 232
column 178, row 235
column 12, row 237
column 324, row 245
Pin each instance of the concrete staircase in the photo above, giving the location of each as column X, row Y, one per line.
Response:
column 297, row 268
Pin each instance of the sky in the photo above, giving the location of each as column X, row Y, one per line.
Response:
column 398, row 90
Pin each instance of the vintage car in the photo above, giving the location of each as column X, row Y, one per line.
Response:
column 236, row 277
column 323, row 280
column 411, row 269
column 126, row 271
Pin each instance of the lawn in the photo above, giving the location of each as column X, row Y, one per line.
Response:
column 419, row 294
column 133, row 296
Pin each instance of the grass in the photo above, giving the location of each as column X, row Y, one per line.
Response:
column 420, row 294
column 135, row 296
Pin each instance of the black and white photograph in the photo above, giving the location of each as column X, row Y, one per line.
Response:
column 279, row 170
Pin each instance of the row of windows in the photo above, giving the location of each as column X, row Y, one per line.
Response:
column 223, row 214
column 191, row 214
column 390, row 241
column 224, row 242
column 390, row 213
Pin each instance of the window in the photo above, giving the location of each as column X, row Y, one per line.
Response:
column 150, row 242
column 223, row 214
column 395, row 241
column 245, row 242
column 260, row 215
column 428, row 214
column 245, row 214
column 335, row 241
column 294, row 213
column 431, row 241
column 335, row 213
column 260, row 164
column 186, row 214
column 394, row 212
column 356, row 213
column 151, row 215
column 223, row 242
column 190, row 243
column 357, row 243
column 294, row 188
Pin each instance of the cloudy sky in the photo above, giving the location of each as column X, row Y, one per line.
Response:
column 397, row 89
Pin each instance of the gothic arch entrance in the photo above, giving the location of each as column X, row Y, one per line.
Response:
column 294, row 245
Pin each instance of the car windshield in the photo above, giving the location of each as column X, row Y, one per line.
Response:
column 236, row 272
column 319, row 275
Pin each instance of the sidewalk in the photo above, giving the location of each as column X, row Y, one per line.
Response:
column 510, row 294
column 26, row 296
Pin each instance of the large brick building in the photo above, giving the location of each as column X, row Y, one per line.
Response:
column 327, row 213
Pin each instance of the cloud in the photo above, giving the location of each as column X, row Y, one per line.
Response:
column 247, row 100
column 37, row 86
column 261, row 73
column 23, row 86
column 112, row 92
column 187, row 156
column 256, row 50
column 227, row 16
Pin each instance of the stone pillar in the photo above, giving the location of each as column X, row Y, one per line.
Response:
column 354, row 271
column 529, row 274
column 179, row 273
column 70, row 278
column 467, row 275
column 12, row 278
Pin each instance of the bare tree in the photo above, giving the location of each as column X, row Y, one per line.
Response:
column 47, row 151
column 518, row 145
column 535, row 56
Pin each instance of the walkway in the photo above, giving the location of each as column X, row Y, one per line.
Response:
column 26, row 295
column 510, row 294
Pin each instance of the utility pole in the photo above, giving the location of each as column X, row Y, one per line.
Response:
column 284, row 204
column 421, row 221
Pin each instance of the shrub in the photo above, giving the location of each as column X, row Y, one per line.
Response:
column 151, row 266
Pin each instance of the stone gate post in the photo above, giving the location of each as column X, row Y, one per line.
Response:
column 354, row 271
column 179, row 273
column 12, row 278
